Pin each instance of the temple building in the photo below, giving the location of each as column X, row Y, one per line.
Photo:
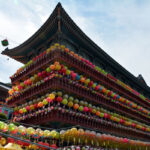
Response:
column 60, row 28
column 69, row 81
column 4, row 88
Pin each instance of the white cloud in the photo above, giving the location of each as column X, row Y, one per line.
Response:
column 121, row 28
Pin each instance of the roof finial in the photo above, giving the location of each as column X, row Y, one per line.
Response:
column 58, row 16
column 59, row 4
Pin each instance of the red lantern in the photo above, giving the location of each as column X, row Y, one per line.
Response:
column 109, row 93
column 39, row 74
column 35, row 106
column 97, row 87
column 48, row 99
column 20, row 87
column 10, row 140
column 105, row 115
column 26, row 143
column 133, row 125
column 115, row 96
column 25, row 82
column 90, row 110
column 19, row 142
column 91, row 83
column 59, row 99
column 27, row 108
column 46, row 144
column 54, row 146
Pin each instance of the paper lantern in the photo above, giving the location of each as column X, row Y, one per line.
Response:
column 85, row 109
column 91, row 83
column 40, row 104
column 105, row 115
column 19, row 87
column 94, row 85
column 59, row 99
column 48, row 99
column 65, row 101
column 101, row 115
column 52, row 67
column 21, row 130
column 80, row 108
column 10, row 140
column 77, row 77
column 21, row 111
column 70, row 98
column 73, row 75
column 75, row 106
column 5, row 129
column 45, row 102
column 68, row 72
column 93, row 111
column 87, row 81
column 59, row 93
column 67, row 50
column 39, row 75
column 121, row 99
column 52, row 96
column 27, row 108
column 57, row 67
column 31, row 107
column 97, row 113
column 48, row 69
column 82, row 79
column 30, row 131
column 104, row 90
column 115, row 96
column 29, row 82
column 24, row 110
column 97, row 87
column 46, row 133
column 70, row 103
column 5, row 42
column 125, row 140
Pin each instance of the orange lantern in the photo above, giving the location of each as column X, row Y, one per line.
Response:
column 52, row 67
column 40, row 104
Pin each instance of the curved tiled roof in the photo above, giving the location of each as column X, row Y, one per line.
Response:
column 60, row 22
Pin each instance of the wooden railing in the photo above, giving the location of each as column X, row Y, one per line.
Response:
column 102, row 125
column 76, row 88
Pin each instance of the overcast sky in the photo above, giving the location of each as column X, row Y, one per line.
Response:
column 120, row 27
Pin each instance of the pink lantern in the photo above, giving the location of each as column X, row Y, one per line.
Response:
column 85, row 109
column 125, row 140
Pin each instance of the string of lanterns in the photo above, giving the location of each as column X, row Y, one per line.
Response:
column 62, row 69
column 62, row 47
column 56, row 98
column 71, row 136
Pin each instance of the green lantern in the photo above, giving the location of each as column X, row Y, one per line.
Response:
column 4, row 42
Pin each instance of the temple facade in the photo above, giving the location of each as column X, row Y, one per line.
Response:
column 69, row 81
